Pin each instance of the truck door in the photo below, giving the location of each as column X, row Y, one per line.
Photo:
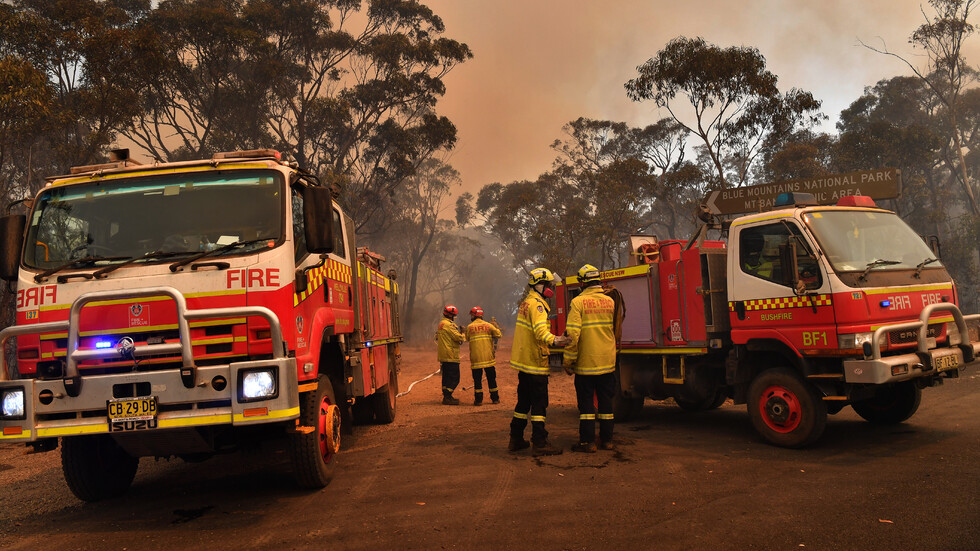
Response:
column 763, row 301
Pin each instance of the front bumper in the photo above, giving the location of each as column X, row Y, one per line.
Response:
column 925, row 361
column 191, row 396
column 178, row 407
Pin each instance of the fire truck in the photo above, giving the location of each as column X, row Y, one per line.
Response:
column 805, row 310
column 191, row 308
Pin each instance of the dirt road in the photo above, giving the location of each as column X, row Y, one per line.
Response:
column 439, row 478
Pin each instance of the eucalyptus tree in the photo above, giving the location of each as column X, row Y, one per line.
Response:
column 732, row 102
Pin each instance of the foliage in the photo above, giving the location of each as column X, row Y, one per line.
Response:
column 736, row 107
column 609, row 181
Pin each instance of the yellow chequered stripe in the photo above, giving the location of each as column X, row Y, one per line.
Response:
column 331, row 269
column 785, row 302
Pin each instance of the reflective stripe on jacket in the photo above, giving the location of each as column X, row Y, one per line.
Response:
column 532, row 336
column 449, row 338
column 590, row 326
column 481, row 336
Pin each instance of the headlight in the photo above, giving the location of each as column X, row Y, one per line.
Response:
column 257, row 384
column 853, row 341
column 13, row 403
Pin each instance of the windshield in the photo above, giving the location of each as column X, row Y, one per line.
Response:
column 116, row 220
column 854, row 241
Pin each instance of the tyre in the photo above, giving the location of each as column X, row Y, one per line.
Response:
column 96, row 468
column 892, row 403
column 786, row 410
column 313, row 453
column 711, row 402
column 384, row 400
column 625, row 407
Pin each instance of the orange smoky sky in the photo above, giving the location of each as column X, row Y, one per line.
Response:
column 539, row 64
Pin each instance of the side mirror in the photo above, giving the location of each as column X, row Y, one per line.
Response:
column 318, row 219
column 791, row 269
column 11, row 244
column 933, row 242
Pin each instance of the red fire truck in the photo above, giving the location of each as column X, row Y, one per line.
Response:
column 185, row 309
column 807, row 309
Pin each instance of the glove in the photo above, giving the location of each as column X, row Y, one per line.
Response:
column 569, row 370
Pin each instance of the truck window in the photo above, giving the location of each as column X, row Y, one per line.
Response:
column 116, row 219
column 759, row 254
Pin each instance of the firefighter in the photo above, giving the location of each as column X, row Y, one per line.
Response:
column 450, row 336
column 754, row 261
column 591, row 355
column 529, row 356
column 482, row 337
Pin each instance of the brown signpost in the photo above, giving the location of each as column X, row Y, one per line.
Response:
column 885, row 183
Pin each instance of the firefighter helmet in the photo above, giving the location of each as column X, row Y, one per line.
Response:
column 476, row 312
column 449, row 310
column 588, row 274
column 540, row 275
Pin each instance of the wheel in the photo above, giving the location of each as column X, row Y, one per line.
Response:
column 96, row 467
column 785, row 410
column 312, row 453
column 625, row 407
column 384, row 400
column 892, row 403
column 711, row 402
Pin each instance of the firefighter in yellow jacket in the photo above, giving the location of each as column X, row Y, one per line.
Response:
column 450, row 336
column 482, row 338
column 529, row 356
column 591, row 355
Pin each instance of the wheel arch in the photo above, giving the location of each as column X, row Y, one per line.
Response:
column 755, row 357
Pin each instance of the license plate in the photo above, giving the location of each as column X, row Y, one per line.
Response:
column 943, row 363
column 132, row 409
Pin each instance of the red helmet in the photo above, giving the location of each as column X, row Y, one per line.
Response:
column 449, row 310
column 476, row 312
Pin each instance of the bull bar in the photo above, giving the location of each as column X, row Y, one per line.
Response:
column 926, row 360
column 187, row 390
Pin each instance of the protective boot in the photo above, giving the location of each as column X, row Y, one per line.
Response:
column 448, row 400
column 545, row 448
column 517, row 444
column 607, row 446
column 494, row 397
column 584, row 447
column 478, row 399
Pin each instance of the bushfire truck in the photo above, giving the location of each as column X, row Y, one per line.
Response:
column 189, row 308
column 805, row 310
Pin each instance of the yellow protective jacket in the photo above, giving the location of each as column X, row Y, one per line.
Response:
column 590, row 326
column 481, row 334
column 449, row 337
column 532, row 336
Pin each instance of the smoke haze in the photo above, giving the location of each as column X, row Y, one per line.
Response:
column 540, row 64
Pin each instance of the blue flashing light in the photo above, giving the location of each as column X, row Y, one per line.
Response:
column 886, row 303
column 103, row 344
column 368, row 344
column 791, row 198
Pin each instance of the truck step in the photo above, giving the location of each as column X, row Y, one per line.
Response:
column 835, row 398
column 831, row 376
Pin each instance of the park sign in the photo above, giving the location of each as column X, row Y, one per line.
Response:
column 885, row 183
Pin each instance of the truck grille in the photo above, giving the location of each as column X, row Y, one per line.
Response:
column 910, row 336
column 212, row 342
